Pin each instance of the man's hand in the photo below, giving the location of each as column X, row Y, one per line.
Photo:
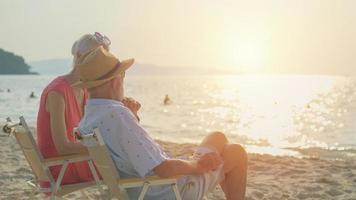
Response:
column 176, row 167
column 132, row 104
column 208, row 162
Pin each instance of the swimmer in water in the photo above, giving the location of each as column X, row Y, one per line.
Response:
column 32, row 95
column 167, row 100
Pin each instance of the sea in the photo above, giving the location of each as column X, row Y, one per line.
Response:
column 294, row 115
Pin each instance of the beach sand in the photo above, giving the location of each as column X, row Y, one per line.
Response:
column 269, row 177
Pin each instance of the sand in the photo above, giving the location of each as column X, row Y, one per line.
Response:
column 269, row 177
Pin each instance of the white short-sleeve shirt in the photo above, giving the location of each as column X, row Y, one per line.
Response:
column 135, row 153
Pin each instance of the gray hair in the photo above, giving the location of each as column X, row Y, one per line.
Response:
column 83, row 45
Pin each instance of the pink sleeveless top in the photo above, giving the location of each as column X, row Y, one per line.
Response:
column 76, row 172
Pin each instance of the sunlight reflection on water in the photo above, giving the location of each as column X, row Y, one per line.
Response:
column 265, row 113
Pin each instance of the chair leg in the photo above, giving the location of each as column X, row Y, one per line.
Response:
column 144, row 190
column 57, row 185
column 96, row 177
column 176, row 191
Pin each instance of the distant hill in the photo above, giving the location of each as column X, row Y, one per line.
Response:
column 63, row 66
column 52, row 66
column 149, row 69
column 13, row 64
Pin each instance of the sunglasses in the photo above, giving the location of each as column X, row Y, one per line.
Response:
column 102, row 39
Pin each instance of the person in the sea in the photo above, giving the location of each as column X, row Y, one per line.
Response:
column 136, row 154
column 61, row 108
column 32, row 95
column 167, row 100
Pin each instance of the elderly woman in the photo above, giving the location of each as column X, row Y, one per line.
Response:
column 61, row 108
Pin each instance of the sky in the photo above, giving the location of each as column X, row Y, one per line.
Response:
column 296, row 36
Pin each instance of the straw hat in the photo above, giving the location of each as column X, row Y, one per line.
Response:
column 99, row 66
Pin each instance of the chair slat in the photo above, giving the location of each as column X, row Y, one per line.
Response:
column 29, row 148
column 103, row 161
column 40, row 166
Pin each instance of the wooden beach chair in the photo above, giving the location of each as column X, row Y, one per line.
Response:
column 104, row 163
column 40, row 166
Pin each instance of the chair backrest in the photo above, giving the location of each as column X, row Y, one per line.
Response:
column 29, row 148
column 103, row 161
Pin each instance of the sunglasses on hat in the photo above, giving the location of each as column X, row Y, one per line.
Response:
column 102, row 39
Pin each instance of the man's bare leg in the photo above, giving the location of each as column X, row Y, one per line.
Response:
column 235, row 165
column 235, row 168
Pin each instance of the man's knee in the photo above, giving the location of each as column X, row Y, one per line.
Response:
column 234, row 156
column 217, row 140
column 219, row 136
column 237, row 151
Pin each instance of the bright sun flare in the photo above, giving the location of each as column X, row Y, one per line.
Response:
column 247, row 56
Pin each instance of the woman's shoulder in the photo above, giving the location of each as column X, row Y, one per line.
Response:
column 58, row 84
column 54, row 90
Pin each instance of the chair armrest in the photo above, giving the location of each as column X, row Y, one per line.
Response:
column 69, row 158
column 152, row 180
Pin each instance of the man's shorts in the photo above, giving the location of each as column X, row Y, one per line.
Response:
column 197, row 186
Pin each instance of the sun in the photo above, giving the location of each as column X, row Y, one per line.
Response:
column 245, row 55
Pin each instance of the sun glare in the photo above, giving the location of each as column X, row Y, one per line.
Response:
column 246, row 57
column 245, row 53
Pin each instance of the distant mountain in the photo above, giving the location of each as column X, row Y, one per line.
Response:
column 63, row 66
column 52, row 66
column 13, row 64
column 149, row 69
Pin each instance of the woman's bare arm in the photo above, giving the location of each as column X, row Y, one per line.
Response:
column 55, row 106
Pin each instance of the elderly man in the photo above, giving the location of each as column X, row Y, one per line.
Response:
column 136, row 154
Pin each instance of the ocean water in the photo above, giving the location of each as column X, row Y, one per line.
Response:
column 284, row 114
